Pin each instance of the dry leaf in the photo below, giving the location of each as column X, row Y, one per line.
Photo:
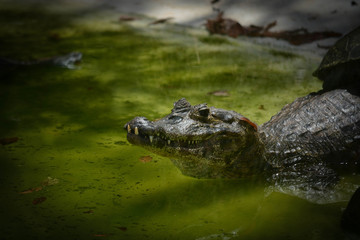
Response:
column 232, row 28
column 145, row 159
column 31, row 190
column 38, row 200
column 220, row 93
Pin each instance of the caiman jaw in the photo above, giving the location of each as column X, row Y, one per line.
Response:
column 141, row 132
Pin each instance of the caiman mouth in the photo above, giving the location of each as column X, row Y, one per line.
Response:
column 158, row 139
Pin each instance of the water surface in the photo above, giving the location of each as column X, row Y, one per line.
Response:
column 72, row 151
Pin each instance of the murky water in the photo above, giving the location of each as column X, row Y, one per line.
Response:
column 69, row 124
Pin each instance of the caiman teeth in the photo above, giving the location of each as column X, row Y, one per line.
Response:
column 136, row 131
column 151, row 138
column 129, row 128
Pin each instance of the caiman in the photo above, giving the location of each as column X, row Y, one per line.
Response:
column 66, row 61
column 302, row 150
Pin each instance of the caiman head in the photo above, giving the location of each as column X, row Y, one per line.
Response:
column 202, row 141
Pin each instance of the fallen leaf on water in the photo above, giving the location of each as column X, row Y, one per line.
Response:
column 122, row 228
column 6, row 141
column 47, row 182
column 220, row 93
column 31, row 190
column 145, row 159
column 50, row 181
column 38, row 200
column 27, row 191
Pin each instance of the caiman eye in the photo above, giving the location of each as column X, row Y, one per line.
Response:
column 204, row 112
column 200, row 112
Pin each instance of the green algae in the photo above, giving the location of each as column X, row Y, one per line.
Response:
column 213, row 39
column 283, row 54
column 70, row 127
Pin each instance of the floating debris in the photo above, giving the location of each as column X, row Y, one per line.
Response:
column 220, row 93
column 31, row 190
column 50, row 181
column 224, row 26
column 39, row 200
column 232, row 28
column 145, row 159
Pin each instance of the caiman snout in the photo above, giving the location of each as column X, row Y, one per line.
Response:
column 139, row 124
column 141, row 131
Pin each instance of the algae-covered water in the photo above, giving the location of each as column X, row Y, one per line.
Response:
column 71, row 174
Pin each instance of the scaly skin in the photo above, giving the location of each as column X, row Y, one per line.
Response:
column 312, row 141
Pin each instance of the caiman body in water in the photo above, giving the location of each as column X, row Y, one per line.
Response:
column 307, row 142
column 302, row 149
